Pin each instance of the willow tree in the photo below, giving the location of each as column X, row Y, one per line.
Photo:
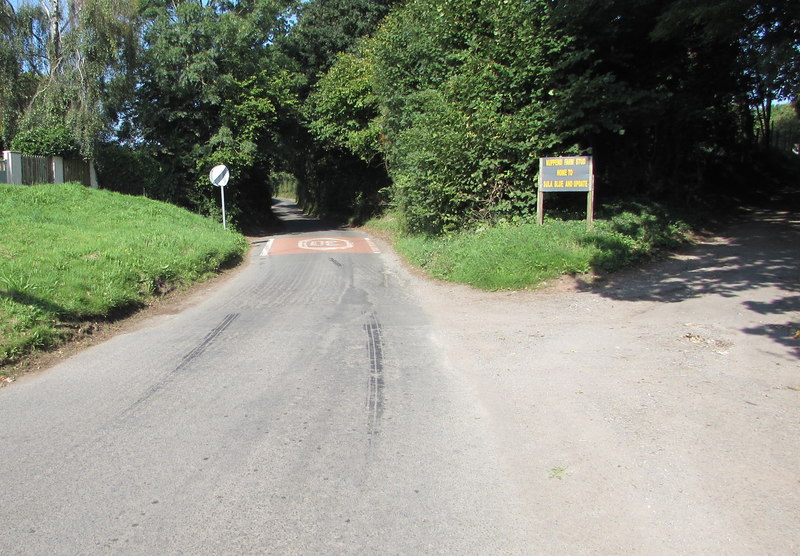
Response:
column 18, row 86
column 76, row 55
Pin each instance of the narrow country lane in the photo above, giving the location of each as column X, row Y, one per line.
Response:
column 302, row 408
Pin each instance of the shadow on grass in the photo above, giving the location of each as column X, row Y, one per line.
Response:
column 760, row 253
column 67, row 318
column 24, row 298
column 614, row 253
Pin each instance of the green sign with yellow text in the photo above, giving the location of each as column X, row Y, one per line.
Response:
column 566, row 173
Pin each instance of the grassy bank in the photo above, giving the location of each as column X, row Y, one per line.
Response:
column 70, row 254
column 523, row 256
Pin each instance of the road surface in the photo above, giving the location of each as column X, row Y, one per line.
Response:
column 302, row 408
column 327, row 400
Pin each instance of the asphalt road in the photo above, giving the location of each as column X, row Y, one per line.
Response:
column 303, row 407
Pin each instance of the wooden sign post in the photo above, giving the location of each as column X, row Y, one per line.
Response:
column 558, row 174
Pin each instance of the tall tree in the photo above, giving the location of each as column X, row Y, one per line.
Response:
column 467, row 90
column 9, row 73
column 209, row 91
column 679, row 82
column 331, row 178
column 21, row 61
column 771, row 58
column 74, row 54
column 325, row 28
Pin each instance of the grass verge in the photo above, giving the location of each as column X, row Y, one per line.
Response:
column 70, row 254
column 525, row 255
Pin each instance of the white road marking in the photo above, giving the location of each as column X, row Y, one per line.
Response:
column 267, row 247
column 372, row 245
column 325, row 244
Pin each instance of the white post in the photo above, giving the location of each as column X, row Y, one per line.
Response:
column 222, row 192
column 58, row 169
column 13, row 167
column 219, row 177
column 93, row 176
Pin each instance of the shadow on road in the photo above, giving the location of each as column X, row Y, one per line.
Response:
column 294, row 221
column 761, row 253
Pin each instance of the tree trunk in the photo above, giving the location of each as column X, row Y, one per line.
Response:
column 53, row 10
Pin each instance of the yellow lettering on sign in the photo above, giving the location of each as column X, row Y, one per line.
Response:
column 554, row 162
column 581, row 161
column 565, row 172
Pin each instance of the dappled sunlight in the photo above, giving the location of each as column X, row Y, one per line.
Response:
column 758, row 259
column 294, row 221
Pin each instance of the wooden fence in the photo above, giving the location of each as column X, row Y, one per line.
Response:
column 77, row 169
column 37, row 169
column 26, row 169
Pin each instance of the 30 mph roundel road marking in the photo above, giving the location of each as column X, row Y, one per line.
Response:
column 325, row 244
column 295, row 246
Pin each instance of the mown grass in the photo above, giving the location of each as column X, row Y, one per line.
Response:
column 525, row 255
column 70, row 254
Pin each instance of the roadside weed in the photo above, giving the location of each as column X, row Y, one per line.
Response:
column 557, row 473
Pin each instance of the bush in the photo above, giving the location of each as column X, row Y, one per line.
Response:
column 464, row 90
column 131, row 171
column 53, row 140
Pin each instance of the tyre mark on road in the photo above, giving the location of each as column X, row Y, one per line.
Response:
column 197, row 351
column 375, row 386
column 185, row 361
column 304, row 284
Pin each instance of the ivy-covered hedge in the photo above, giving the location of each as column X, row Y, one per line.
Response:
column 55, row 140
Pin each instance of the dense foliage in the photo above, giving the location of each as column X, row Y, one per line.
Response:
column 465, row 92
column 331, row 178
column 439, row 107
column 460, row 98
column 210, row 92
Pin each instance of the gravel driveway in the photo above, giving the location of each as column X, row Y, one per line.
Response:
column 657, row 411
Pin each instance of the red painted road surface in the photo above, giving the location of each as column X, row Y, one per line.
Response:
column 299, row 245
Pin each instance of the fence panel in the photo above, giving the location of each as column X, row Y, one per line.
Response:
column 77, row 169
column 36, row 169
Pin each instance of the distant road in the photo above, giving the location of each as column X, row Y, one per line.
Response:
column 301, row 408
